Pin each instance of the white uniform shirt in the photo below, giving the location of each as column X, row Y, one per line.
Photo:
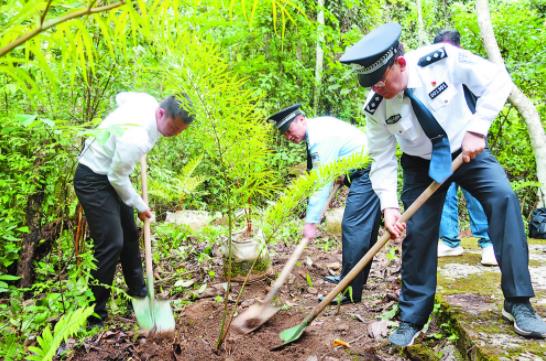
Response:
column 133, row 133
column 330, row 139
column 437, row 73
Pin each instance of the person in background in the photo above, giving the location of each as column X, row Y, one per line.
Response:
column 329, row 139
column 106, row 194
column 450, row 242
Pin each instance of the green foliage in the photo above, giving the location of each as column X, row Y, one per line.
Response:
column 391, row 253
column 60, row 287
column 4, row 286
column 283, row 68
column 446, row 328
column 67, row 326
column 39, row 165
column 518, row 27
column 172, row 238
column 308, row 279
column 228, row 116
column 239, row 62
column 305, row 185
column 390, row 313
column 174, row 189
column 349, row 292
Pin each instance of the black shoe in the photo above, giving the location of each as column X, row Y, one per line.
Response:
column 526, row 322
column 405, row 334
column 343, row 301
column 333, row 279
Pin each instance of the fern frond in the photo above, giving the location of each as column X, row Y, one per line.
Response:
column 68, row 325
column 304, row 186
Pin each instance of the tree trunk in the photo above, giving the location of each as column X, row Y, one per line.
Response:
column 421, row 35
column 522, row 103
column 24, row 266
column 319, row 53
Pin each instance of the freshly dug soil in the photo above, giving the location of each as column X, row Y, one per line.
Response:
column 198, row 324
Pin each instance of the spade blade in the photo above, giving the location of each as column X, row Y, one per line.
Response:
column 290, row 335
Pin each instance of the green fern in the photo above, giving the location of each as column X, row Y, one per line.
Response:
column 49, row 342
column 171, row 187
column 305, row 185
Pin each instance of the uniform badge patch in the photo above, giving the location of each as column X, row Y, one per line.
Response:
column 393, row 119
column 373, row 104
column 433, row 57
column 438, row 90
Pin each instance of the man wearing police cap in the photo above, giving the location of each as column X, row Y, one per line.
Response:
column 329, row 139
column 417, row 100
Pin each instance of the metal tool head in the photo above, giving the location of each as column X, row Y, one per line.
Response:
column 290, row 335
column 153, row 315
column 253, row 317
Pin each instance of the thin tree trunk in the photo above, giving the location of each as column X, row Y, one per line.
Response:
column 522, row 103
column 421, row 37
column 319, row 53
column 24, row 266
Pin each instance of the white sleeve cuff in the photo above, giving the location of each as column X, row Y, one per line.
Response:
column 388, row 200
column 140, row 205
column 480, row 126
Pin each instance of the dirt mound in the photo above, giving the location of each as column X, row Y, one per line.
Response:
column 198, row 324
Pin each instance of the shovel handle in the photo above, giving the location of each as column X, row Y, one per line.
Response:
column 423, row 197
column 287, row 269
column 289, row 266
column 147, row 230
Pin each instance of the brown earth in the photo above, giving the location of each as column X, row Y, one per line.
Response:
column 198, row 323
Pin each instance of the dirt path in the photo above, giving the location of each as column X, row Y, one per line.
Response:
column 198, row 323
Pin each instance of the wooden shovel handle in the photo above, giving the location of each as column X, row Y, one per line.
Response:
column 287, row 269
column 147, row 229
column 289, row 266
column 423, row 197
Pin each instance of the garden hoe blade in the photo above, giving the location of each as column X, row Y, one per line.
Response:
column 151, row 314
column 294, row 333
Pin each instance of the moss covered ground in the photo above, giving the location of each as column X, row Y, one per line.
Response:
column 471, row 296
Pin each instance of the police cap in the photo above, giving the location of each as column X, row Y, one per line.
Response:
column 373, row 54
column 283, row 118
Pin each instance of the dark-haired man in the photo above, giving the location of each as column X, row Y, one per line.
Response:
column 105, row 191
column 417, row 100
column 329, row 139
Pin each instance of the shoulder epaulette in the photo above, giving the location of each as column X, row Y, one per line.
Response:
column 433, row 57
column 374, row 102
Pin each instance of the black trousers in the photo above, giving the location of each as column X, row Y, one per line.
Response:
column 485, row 179
column 112, row 227
column 360, row 225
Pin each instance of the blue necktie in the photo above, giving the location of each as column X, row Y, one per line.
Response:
column 440, row 161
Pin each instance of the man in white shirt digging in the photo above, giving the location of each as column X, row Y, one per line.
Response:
column 105, row 191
